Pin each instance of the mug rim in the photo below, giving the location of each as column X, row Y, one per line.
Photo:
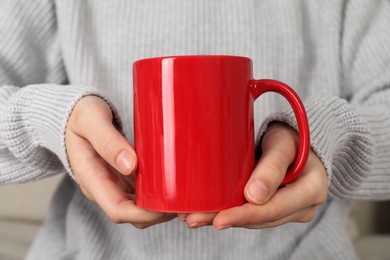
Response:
column 191, row 56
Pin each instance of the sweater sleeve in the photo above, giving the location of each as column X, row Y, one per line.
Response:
column 33, row 115
column 32, row 129
column 352, row 135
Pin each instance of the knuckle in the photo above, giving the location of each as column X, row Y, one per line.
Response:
column 320, row 198
column 308, row 216
column 89, row 197
column 274, row 169
column 103, row 142
column 114, row 217
column 86, row 193
column 105, row 145
column 141, row 225
column 316, row 193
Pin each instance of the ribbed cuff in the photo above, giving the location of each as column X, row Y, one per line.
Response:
column 37, row 119
column 339, row 137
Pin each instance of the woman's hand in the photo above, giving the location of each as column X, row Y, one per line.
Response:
column 103, row 163
column 268, row 205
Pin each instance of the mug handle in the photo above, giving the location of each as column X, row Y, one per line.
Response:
column 259, row 87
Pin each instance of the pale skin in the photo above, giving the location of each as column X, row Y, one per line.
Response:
column 104, row 163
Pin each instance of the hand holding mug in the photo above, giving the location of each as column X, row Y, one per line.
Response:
column 267, row 205
column 103, row 163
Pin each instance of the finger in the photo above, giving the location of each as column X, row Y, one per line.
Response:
column 99, row 130
column 302, row 216
column 100, row 184
column 124, row 182
column 116, row 203
column 196, row 220
column 307, row 191
column 79, row 148
column 279, row 147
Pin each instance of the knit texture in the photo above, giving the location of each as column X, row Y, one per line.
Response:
column 335, row 54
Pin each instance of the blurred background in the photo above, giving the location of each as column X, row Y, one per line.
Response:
column 23, row 208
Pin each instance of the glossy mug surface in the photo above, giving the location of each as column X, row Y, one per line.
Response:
column 194, row 136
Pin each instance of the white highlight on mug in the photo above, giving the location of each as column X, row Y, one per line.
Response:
column 168, row 108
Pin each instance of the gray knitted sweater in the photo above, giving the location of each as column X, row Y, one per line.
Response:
column 335, row 53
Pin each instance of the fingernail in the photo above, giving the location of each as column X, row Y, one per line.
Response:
column 197, row 225
column 222, row 227
column 257, row 192
column 125, row 162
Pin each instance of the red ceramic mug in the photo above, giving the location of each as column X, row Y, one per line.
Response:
column 194, row 136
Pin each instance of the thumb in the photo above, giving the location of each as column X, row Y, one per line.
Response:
column 114, row 148
column 279, row 146
column 92, row 119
